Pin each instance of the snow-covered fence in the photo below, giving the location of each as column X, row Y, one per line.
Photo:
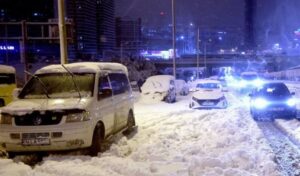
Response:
column 291, row 75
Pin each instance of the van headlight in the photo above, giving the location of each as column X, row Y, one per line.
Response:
column 78, row 117
column 6, row 119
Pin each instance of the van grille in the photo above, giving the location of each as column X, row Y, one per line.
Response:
column 36, row 119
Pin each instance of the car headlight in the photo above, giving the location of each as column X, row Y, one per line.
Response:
column 258, row 82
column 6, row 119
column 78, row 117
column 291, row 102
column 260, row 103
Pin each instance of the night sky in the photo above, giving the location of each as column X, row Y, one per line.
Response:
column 212, row 13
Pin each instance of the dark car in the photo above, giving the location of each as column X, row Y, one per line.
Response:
column 272, row 100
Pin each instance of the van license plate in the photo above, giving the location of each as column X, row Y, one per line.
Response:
column 36, row 141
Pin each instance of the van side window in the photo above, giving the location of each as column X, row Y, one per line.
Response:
column 119, row 83
column 104, row 89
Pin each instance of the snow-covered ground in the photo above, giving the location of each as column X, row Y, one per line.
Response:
column 171, row 140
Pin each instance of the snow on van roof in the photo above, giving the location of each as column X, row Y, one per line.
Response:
column 83, row 67
column 7, row 69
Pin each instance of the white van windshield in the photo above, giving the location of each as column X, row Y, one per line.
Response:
column 59, row 85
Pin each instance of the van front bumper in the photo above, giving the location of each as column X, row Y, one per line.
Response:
column 46, row 138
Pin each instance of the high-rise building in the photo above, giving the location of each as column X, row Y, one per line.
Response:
column 129, row 35
column 250, row 12
column 93, row 28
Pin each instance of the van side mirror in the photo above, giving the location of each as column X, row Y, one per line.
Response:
column 104, row 93
column 16, row 92
column 293, row 93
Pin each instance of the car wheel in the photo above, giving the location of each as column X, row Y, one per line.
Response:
column 225, row 104
column 255, row 116
column 97, row 143
column 130, row 123
column 168, row 99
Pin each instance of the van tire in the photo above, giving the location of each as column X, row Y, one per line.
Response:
column 2, row 103
column 98, row 140
column 130, row 122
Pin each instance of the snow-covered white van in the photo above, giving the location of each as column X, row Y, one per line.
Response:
column 72, row 106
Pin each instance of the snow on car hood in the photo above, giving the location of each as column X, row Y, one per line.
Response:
column 26, row 106
column 154, row 86
column 208, row 94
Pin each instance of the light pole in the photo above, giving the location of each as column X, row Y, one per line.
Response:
column 198, row 49
column 173, row 37
column 62, row 32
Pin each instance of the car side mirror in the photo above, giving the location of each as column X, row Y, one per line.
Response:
column 293, row 93
column 104, row 93
column 16, row 92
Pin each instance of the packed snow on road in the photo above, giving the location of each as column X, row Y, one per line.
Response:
column 171, row 139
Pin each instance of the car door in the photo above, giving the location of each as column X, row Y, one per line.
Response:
column 119, row 83
column 105, row 106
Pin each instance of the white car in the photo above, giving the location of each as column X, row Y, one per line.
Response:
column 159, row 88
column 181, row 87
column 208, row 94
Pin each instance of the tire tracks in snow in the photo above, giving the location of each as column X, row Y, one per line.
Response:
column 287, row 154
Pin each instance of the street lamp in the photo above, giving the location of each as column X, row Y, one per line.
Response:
column 174, row 40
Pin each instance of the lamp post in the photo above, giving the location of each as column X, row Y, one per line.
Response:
column 62, row 32
column 173, row 38
column 198, row 49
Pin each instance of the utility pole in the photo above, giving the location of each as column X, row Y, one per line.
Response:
column 62, row 32
column 174, row 39
column 23, row 48
column 198, row 49
column 205, row 58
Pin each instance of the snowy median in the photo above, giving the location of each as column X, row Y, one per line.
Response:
column 172, row 140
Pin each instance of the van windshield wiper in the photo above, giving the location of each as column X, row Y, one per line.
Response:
column 72, row 75
column 40, row 81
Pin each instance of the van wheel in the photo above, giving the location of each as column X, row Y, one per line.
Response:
column 130, row 123
column 97, row 143
column 1, row 102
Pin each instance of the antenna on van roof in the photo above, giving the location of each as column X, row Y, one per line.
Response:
column 72, row 75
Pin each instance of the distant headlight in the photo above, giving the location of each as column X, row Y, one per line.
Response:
column 260, row 103
column 291, row 102
column 243, row 84
column 78, row 117
column 258, row 82
column 6, row 119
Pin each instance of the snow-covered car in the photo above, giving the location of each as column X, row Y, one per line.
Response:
column 159, row 88
column 208, row 94
column 181, row 87
column 272, row 100
column 71, row 106
column 249, row 81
